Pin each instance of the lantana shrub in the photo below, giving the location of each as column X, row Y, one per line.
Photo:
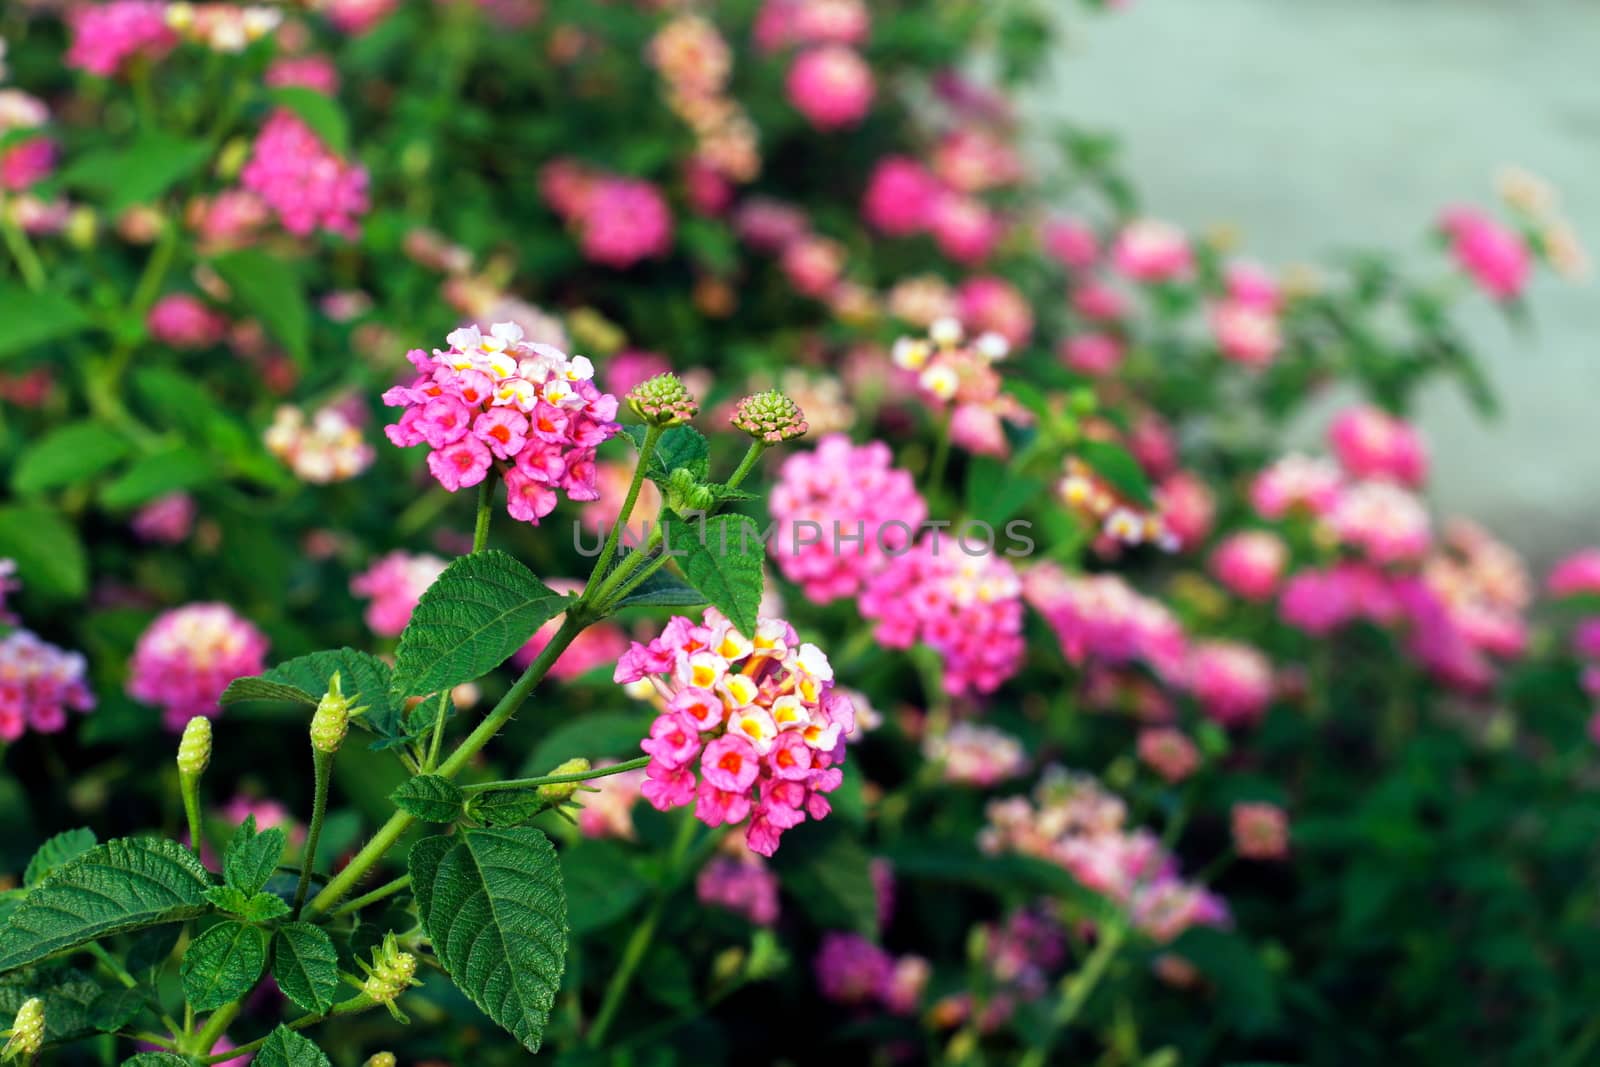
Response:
column 647, row 533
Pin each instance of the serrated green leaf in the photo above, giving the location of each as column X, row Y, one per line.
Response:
column 30, row 320
column 285, row 1048
column 679, row 446
column 304, row 679
column 493, row 905
column 50, row 558
column 157, row 1059
column 480, row 610
column 724, row 559
column 306, row 966
column 157, row 475
column 318, row 111
column 506, row 807
column 223, row 964
column 58, row 851
column 139, row 173
column 69, row 996
column 1118, row 467
column 254, row 908
column 112, row 1009
column 251, row 857
column 67, row 455
column 663, row 589
column 268, row 288
column 122, row 885
column 258, row 687
column 429, row 797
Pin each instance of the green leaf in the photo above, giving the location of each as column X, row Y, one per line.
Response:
column 67, row 455
column 493, row 906
column 1117, row 466
column 113, row 1009
column 304, row 679
column 253, row 908
column 31, row 320
column 285, row 1048
column 320, row 112
column 593, row 737
column 269, row 289
column 726, row 564
column 223, row 964
column 663, row 589
column 69, row 997
column 506, row 807
column 137, row 174
column 306, row 966
column 156, row 1059
column 429, row 797
column 994, row 493
column 157, row 475
column 252, row 857
column 601, row 885
column 480, row 610
column 50, row 557
column 1245, row 987
column 122, row 885
column 679, row 446
column 58, row 851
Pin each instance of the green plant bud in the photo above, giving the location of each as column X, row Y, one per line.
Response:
column 194, row 750
column 662, row 401
column 26, row 1035
column 391, row 973
column 770, row 416
column 331, row 722
column 685, row 494
column 380, row 1059
column 561, row 792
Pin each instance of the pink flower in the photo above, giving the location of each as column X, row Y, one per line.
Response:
column 268, row 814
column 185, row 322
column 1094, row 354
column 187, row 656
column 1370, row 443
column 625, row 220
column 813, row 264
column 1101, row 619
column 1168, row 752
column 1576, row 575
column 1099, row 302
column 971, row 159
column 831, row 85
column 631, row 366
column 1496, row 257
column 964, row 228
column 609, row 812
column 1586, row 639
column 1148, row 250
column 825, row 500
column 1260, row 831
column 1385, row 521
column 1187, row 508
column 1232, row 682
column 394, row 584
column 39, row 684
column 356, row 17
column 1245, row 333
column 742, row 885
column 1072, row 243
column 730, row 701
column 852, row 970
column 987, row 304
column 1296, row 482
column 1251, row 286
column 166, row 520
column 315, row 72
column 900, row 197
column 959, row 599
column 301, row 181
column 105, row 36
column 968, row 754
column 1250, row 563
column 26, row 162
column 498, row 401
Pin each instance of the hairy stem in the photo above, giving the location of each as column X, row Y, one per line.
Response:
column 322, row 766
column 557, row 779
column 652, row 435
column 383, row 892
column 480, row 529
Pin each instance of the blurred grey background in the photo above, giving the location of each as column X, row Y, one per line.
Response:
column 1317, row 124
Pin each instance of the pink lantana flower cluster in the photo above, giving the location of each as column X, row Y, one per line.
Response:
column 904, row 197
column 1073, row 821
column 618, row 221
column 1232, row 682
column 1260, row 831
column 328, row 447
column 1101, row 619
column 608, row 810
column 183, row 321
column 24, row 160
column 750, row 727
column 843, row 491
column 696, row 64
column 497, row 401
column 1494, row 255
column 166, row 520
column 187, row 656
column 852, row 970
column 39, row 684
column 960, row 375
column 106, row 36
column 743, row 884
column 305, row 184
column 1371, row 443
column 965, row 606
column 971, row 754
column 394, row 583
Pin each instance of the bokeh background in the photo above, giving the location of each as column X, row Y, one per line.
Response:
column 1313, row 125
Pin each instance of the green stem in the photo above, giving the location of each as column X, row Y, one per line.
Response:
column 359, row 1003
column 28, row 263
column 322, row 768
column 643, row 934
column 1076, row 990
column 206, row 1039
column 438, row 731
column 748, row 463
column 480, row 531
column 388, row 889
column 652, row 435
column 391, row 831
column 189, row 786
column 558, row 779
